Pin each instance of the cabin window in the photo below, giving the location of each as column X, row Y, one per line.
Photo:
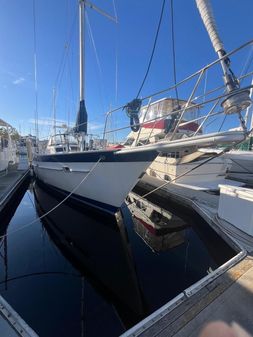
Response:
column 129, row 141
column 74, row 148
column 169, row 154
column 5, row 143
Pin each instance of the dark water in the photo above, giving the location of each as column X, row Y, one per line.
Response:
column 75, row 273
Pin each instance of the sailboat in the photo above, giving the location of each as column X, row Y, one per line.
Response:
column 103, row 178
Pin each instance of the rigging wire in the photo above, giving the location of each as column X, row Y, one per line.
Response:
column 153, row 50
column 223, row 121
column 65, row 52
column 226, row 149
column 174, row 50
column 62, row 273
column 116, row 53
column 248, row 62
column 101, row 86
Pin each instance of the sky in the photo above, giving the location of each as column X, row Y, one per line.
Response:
column 116, row 67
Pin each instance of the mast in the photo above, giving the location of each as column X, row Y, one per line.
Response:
column 236, row 100
column 82, row 117
column 81, row 47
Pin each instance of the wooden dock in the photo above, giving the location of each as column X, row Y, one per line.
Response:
column 11, row 324
column 10, row 184
column 229, row 298
column 226, row 295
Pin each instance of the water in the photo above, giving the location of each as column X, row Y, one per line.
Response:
column 80, row 274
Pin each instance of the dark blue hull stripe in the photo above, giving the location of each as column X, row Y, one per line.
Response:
column 94, row 156
column 90, row 202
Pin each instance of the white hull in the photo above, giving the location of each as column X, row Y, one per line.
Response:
column 3, row 165
column 4, row 160
column 208, row 175
column 106, row 186
column 242, row 165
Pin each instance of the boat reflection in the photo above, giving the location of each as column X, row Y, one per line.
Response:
column 159, row 229
column 99, row 250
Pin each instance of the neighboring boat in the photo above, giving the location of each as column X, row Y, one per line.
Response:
column 103, row 178
column 175, row 166
column 242, row 158
column 242, row 165
column 4, row 155
column 62, row 142
column 9, row 158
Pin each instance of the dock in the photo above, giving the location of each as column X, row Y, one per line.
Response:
column 229, row 298
column 204, row 203
column 11, row 324
column 224, row 294
column 11, row 182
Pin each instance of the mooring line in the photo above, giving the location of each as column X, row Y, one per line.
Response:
column 228, row 148
column 56, row 206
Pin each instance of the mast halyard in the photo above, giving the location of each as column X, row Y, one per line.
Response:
column 237, row 100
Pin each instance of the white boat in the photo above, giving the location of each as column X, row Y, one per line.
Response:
column 242, row 165
column 103, row 178
column 8, row 151
column 4, row 156
column 186, row 166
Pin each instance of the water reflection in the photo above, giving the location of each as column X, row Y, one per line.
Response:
column 99, row 249
column 159, row 229
column 97, row 276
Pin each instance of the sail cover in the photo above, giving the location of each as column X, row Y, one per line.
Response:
column 82, row 118
column 206, row 13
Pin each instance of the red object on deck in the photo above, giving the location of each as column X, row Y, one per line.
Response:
column 160, row 124
column 113, row 147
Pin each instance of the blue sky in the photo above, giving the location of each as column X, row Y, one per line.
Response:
column 130, row 42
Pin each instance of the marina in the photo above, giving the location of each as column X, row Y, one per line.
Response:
column 130, row 213
column 62, row 260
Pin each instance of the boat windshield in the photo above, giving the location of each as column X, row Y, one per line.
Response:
column 165, row 107
column 62, row 139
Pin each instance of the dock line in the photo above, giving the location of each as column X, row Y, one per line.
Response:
column 56, row 206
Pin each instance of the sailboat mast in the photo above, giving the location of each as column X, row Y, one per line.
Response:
column 81, row 48
column 82, row 117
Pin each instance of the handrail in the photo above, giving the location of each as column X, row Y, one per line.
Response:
column 194, row 74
